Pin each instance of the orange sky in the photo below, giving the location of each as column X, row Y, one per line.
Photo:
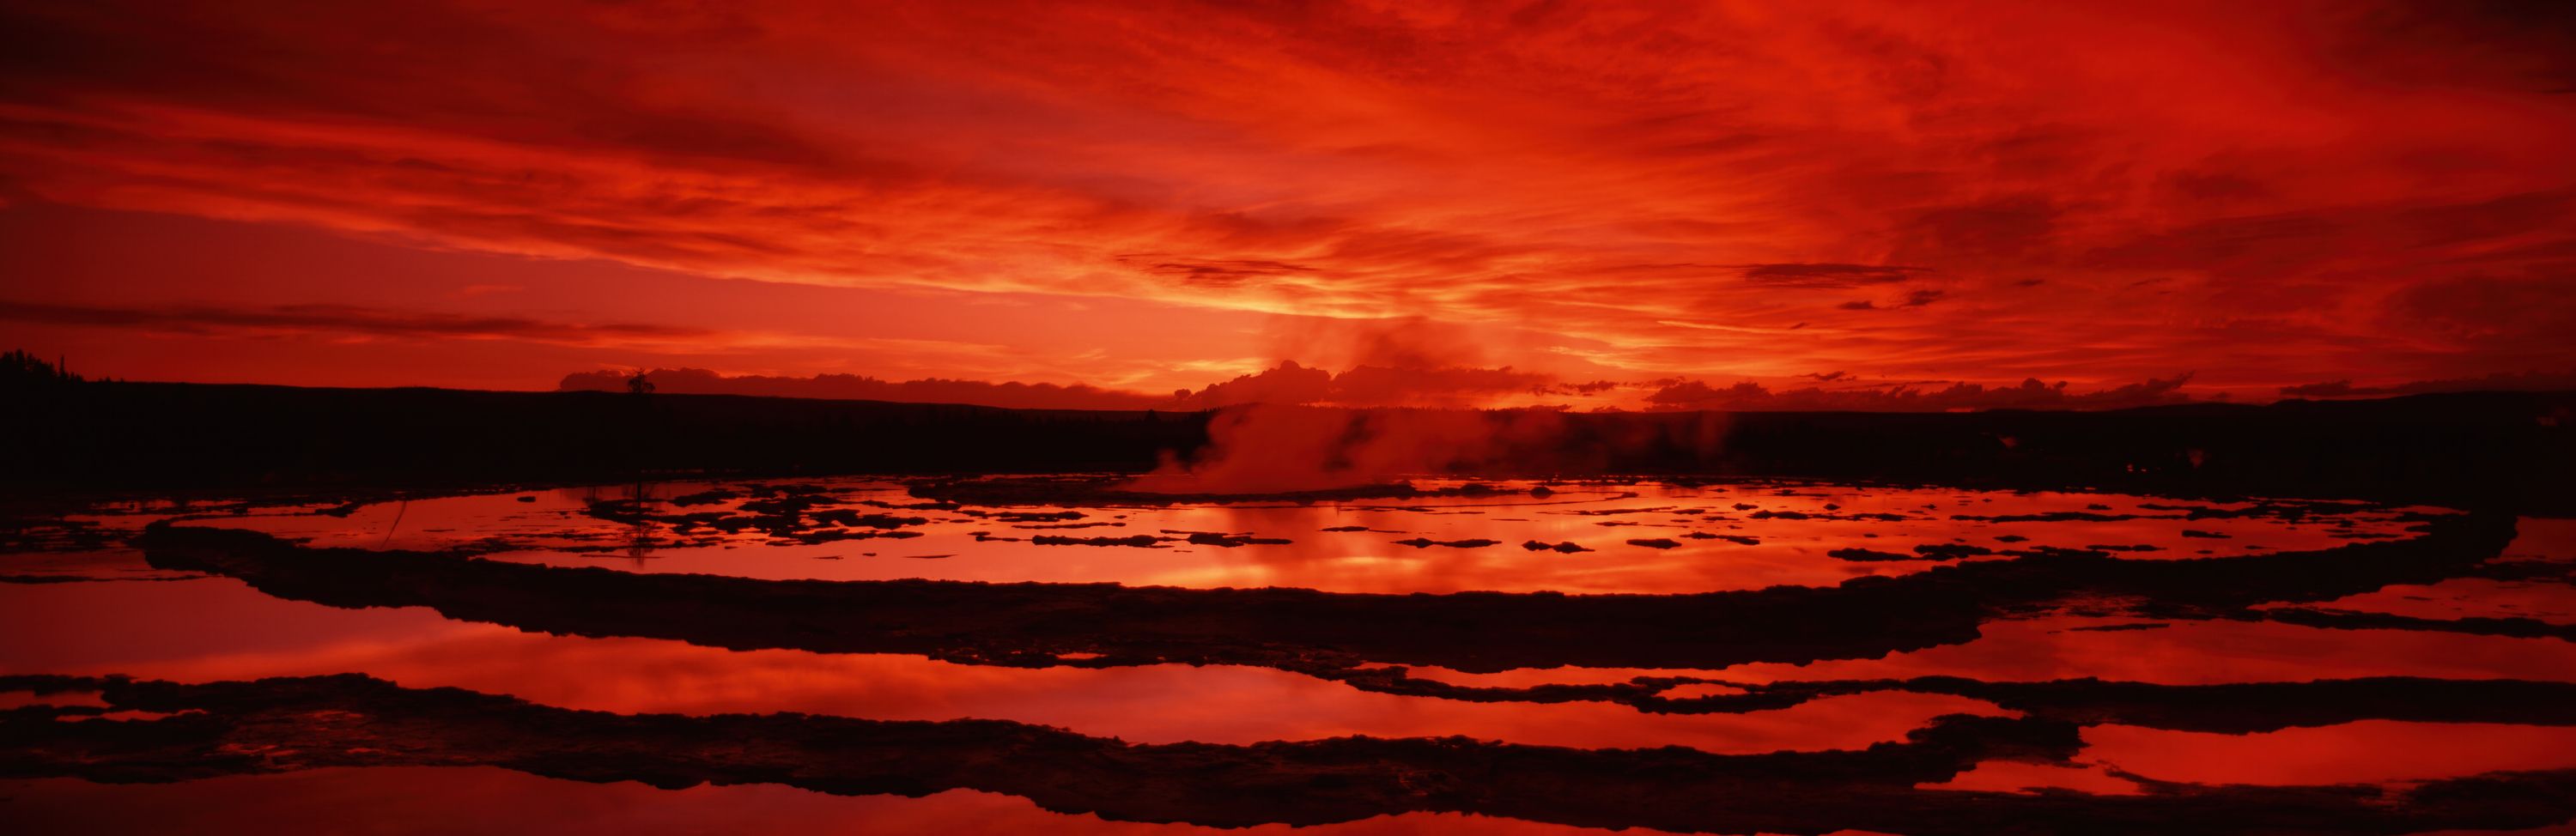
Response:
column 1671, row 198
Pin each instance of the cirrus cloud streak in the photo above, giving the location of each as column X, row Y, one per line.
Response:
column 1987, row 193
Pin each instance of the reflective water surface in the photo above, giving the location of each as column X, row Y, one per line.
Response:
column 1641, row 537
column 82, row 601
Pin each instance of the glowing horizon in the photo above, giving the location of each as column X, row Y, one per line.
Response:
column 1490, row 205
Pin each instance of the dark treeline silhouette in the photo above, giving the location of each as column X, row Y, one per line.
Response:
column 21, row 370
column 2492, row 449
column 177, row 435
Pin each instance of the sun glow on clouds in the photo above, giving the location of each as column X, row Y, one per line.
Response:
column 2269, row 196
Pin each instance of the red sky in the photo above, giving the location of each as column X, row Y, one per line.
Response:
column 1672, row 198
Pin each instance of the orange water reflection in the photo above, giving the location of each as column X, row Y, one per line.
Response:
column 2369, row 751
column 219, row 630
column 1786, row 532
column 2179, row 653
column 2365, row 752
column 439, row 801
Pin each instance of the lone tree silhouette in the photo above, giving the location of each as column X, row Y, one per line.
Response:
column 638, row 384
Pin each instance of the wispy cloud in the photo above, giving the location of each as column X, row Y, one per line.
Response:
column 1753, row 195
column 343, row 320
